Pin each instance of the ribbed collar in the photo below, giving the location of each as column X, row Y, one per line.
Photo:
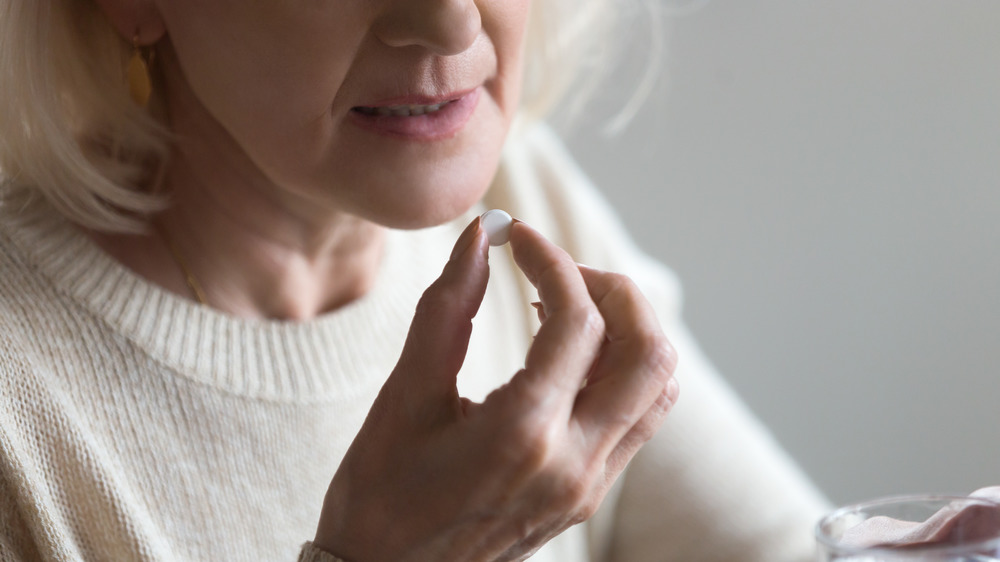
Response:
column 334, row 357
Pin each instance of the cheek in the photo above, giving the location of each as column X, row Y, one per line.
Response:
column 267, row 76
column 506, row 24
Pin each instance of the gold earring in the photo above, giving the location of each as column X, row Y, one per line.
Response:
column 140, row 84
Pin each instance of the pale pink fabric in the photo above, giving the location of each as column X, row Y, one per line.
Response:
column 938, row 529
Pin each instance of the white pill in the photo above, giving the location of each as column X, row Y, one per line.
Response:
column 497, row 225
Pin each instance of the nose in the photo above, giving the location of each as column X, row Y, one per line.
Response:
column 444, row 27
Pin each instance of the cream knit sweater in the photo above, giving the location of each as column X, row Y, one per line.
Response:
column 136, row 425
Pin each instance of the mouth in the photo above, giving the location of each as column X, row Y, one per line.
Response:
column 402, row 110
column 418, row 118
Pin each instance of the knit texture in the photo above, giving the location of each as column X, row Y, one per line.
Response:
column 137, row 425
column 312, row 554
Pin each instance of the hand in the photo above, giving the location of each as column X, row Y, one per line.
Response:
column 433, row 476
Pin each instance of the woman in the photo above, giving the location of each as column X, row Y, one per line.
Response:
column 208, row 342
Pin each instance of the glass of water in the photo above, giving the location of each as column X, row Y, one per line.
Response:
column 912, row 529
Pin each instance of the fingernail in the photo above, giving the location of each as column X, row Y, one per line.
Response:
column 467, row 237
column 540, row 310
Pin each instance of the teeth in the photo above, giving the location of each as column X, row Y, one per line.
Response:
column 402, row 110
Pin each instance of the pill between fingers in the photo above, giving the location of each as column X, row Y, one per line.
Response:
column 497, row 225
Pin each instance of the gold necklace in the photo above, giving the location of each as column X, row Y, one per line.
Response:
column 192, row 283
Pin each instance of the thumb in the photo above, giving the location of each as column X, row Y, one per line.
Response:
column 439, row 334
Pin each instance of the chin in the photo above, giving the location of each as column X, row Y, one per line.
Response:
column 415, row 193
column 433, row 206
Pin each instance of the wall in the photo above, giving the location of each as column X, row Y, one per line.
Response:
column 825, row 177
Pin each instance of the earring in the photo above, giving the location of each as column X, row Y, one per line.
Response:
column 140, row 85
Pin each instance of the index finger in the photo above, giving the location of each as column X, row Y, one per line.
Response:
column 569, row 340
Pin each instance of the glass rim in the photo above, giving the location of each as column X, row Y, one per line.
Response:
column 836, row 548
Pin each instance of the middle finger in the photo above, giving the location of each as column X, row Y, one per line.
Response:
column 569, row 340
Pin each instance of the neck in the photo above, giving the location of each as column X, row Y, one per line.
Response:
column 258, row 256
column 257, row 252
column 246, row 272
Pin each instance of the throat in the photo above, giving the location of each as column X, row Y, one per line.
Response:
column 301, row 294
column 252, row 277
column 291, row 287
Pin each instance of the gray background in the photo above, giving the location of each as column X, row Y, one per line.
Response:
column 825, row 178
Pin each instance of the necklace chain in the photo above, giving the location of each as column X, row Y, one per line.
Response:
column 189, row 277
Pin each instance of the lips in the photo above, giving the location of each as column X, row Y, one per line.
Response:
column 418, row 118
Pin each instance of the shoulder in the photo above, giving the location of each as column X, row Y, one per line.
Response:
column 16, row 331
column 15, row 290
column 25, row 312
column 18, row 285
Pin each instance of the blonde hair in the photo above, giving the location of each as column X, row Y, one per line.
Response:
column 70, row 133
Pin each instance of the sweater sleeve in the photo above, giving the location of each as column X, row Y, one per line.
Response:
column 13, row 536
column 712, row 485
column 16, row 541
column 310, row 553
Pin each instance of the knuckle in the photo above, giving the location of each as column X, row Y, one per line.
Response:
column 663, row 404
column 643, row 434
column 573, row 490
column 623, row 283
column 522, row 395
column 618, row 421
column 620, row 286
column 658, row 355
column 589, row 321
column 650, row 423
column 529, row 447
column 672, row 391
column 653, row 418
column 588, row 510
column 521, row 530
